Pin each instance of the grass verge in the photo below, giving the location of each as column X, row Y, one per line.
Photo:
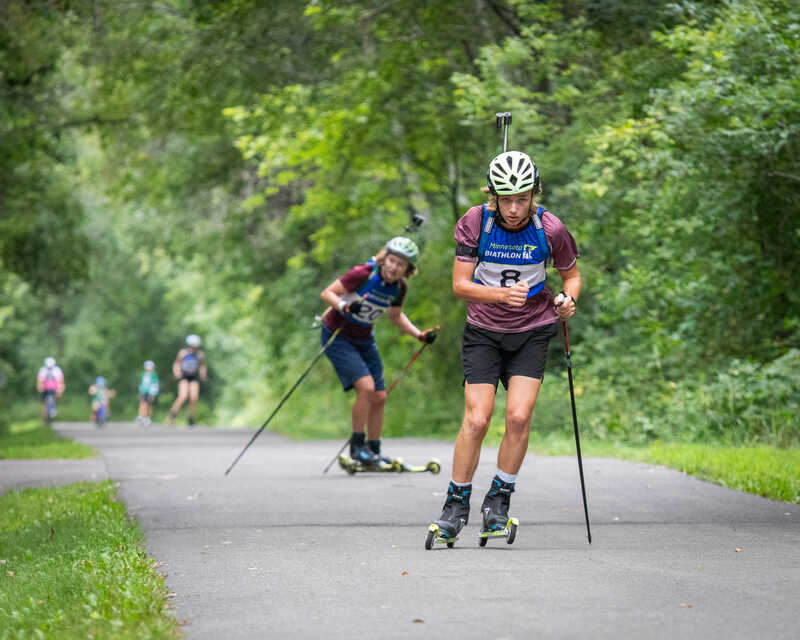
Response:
column 32, row 439
column 72, row 565
column 766, row 471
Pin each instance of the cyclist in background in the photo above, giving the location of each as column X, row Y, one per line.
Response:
column 148, row 391
column 189, row 369
column 50, row 383
column 101, row 398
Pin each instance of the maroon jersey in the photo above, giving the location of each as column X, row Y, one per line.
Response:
column 362, row 282
column 538, row 310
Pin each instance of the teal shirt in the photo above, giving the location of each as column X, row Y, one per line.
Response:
column 149, row 384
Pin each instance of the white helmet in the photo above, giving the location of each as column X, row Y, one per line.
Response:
column 193, row 340
column 149, row 365
column 403, row 247
column 512, row 172
column 49, row 362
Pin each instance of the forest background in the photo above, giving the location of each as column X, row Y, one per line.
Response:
column 205, row 167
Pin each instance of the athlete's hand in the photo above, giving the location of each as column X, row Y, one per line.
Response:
column 565, row 305
column 428, row 336
column 516, row 294
column 355, row 307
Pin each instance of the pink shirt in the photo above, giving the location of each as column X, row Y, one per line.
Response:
column 50, row 379
column 538, row 310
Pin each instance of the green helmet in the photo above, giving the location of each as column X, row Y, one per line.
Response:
column 403, row 247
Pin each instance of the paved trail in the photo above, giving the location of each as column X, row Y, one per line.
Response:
column 277, row 549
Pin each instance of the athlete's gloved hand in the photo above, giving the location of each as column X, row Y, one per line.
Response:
column 355, row 307
column 428, row 336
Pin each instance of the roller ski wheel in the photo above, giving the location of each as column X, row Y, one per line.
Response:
column 509, row 533
column 433, row 466
column 434, row 537
column 353, row 467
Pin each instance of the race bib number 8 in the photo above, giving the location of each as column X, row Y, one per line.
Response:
column 506, row 275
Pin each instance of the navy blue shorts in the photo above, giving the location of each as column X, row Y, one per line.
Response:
column 354, row 359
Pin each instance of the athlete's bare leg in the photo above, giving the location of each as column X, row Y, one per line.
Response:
column 365, row 389
column 183, row 394
column 520, row 400
column 478, row 406
column 377, row 401
column 194, row 396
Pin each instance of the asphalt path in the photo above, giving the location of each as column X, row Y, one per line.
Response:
column 277, row 549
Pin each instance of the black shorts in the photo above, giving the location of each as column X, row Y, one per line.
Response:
column 189, row 378
column 489, row 356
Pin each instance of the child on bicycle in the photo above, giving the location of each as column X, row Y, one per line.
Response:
column 101, row 397
column 50, row 383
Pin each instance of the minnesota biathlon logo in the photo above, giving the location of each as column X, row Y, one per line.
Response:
column 511, row 251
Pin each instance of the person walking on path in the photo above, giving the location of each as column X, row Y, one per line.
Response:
column 148, row 391
column 189, row 369
column 50, row 383
column 356, row 300
column 502, row 249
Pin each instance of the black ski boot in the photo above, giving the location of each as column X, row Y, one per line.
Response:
column 375, row 447
column 455, row 515
column 496, row 522
column 363, row 455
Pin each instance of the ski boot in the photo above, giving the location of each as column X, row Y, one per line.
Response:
column 496, row 522
column 361, row 459
column 364, row 456
column 396, row 464
column 375, row 447
column 455, row 515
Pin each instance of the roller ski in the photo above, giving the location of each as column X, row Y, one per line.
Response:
column 355, row 466
column 455, row 516
column 433, row 466
column 364, row 459
column 496, row 521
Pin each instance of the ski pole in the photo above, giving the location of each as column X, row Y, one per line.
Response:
column 504, row 120
column 336, row 457
column 286, row 397
column 410, row 362
column 388, row 391
column 575, row 425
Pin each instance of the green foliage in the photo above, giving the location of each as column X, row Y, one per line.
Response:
column 765, row 471
column 40, row 240
column 73, row 565
column 33, row 440
column 259, row 151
